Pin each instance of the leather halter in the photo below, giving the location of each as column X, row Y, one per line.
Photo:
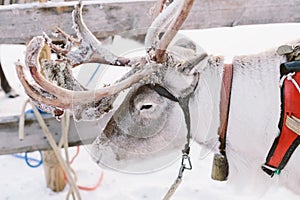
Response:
column 225, row 106
column 184, row 105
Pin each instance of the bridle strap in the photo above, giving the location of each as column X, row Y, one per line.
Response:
column 163, row 92
column 185, row 161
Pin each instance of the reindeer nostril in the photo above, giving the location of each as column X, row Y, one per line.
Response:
column 146, row 107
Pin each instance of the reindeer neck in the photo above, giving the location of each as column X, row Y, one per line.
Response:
column 204, row 106
column 255, row 100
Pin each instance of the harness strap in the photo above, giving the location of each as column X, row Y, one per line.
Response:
column 220, row 164
column 225, row 106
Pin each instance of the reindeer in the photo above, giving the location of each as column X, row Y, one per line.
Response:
column 146, row 124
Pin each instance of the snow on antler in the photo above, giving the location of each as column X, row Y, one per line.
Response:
column 56, row 95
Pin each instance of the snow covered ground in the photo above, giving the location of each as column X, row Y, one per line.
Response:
column 18, row 181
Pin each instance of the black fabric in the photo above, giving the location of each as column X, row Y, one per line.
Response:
column 268, row 171
column 289, row 153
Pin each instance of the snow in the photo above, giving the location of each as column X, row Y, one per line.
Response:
column 18, row 181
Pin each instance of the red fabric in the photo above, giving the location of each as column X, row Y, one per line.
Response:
column 291, row 107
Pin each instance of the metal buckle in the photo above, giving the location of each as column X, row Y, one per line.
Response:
column 185, row 165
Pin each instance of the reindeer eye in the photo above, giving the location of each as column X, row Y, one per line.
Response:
column 146, row 107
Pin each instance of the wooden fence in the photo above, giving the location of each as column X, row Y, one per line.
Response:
column 79, row 133
column 20, row 22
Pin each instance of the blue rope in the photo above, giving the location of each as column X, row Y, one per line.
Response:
column 30, row 160
column 31, row 111
column 39, row 163
column 93, row 75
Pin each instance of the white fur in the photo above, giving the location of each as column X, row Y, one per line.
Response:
column 253, row 119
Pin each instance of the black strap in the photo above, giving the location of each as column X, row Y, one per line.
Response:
column 184, row 104
column 289, row 67
column 163, row 92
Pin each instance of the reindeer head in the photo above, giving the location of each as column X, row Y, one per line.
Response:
column 145, row 124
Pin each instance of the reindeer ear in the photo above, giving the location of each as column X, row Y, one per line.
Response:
column 192, row 55
column 191, row 65
column 186, row 43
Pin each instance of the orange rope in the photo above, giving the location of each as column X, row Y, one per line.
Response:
column 85, row 187
column 92, row 187
column 76, row 154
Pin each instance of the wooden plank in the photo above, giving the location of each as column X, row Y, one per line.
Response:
column 19, row 23
column 79, row 133
column 54, row 173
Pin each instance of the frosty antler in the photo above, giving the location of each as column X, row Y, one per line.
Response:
column 89, row 49
column 57, row 89
column 61, row 97
column 160, row 23
column 173, row 17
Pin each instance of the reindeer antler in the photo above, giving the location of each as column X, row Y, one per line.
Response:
column 65, row 98
column 86, row 48
column 173, row 17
